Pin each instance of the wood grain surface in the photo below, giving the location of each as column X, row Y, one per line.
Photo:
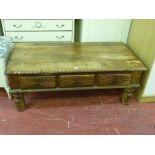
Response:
column 76, row 80
column 39, row 81
column 32, row 58
column 114, row 79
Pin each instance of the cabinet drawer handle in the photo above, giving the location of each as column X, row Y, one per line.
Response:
column 59, row 37
column 77, row 82
column 114, row 82
column 38, row 24
column 19, row 38
column 60, row 26
column 17, row 26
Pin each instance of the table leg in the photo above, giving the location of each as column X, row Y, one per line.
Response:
column 126, row 95
column 19, row 101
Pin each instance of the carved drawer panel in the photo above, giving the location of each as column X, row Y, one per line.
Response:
column 31, row 82
column 114, row 79
column 66, row 81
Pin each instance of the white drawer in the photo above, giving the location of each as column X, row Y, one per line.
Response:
column 40, row 36
column 37, row 25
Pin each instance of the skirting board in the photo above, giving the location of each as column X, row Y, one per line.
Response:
column 142, row 99
column 147, row 99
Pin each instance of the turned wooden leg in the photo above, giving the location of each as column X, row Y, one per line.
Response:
column 19, row 101
column 126, row 95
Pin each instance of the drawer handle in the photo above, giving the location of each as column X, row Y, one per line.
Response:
column 77, row 82
column 19, row 38
column 59, row 37
column 114, row 82
column 60, row 26
column 17, row 26
column 38, row 24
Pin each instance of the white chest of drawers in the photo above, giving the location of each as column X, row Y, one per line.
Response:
column 39, row 30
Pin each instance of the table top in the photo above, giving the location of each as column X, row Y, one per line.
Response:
column 33, row 58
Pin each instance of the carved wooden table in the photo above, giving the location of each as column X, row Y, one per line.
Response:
column 37, row 67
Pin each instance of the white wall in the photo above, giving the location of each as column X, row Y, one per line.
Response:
column 142, row 41
column 150, row 86
column 105, row 30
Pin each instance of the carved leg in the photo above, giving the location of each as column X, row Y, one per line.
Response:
column 19, row 101
column 126, row 95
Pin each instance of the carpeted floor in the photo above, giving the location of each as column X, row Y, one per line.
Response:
column 76, row 112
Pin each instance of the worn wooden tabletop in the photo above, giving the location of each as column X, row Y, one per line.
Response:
column 71, row 57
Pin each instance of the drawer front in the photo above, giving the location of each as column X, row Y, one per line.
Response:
column 66, row 81
column 40, row 36
column 114, row 80
column 37, row 25
column 32, row 81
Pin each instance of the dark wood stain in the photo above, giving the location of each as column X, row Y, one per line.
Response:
column 69, row 66
column 35, row 58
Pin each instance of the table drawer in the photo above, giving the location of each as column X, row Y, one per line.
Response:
column 32, row 81
column 37, row 25
column 114, row 79
column 66, row 81
column 40, row 36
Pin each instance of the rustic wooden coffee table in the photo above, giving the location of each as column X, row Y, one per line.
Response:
column 38, row 67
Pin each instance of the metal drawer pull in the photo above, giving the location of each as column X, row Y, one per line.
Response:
column 16, row 37
column 38, row 24
column 60, row 26
column 60, row 37
column 17, row 26
column 114, row 82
